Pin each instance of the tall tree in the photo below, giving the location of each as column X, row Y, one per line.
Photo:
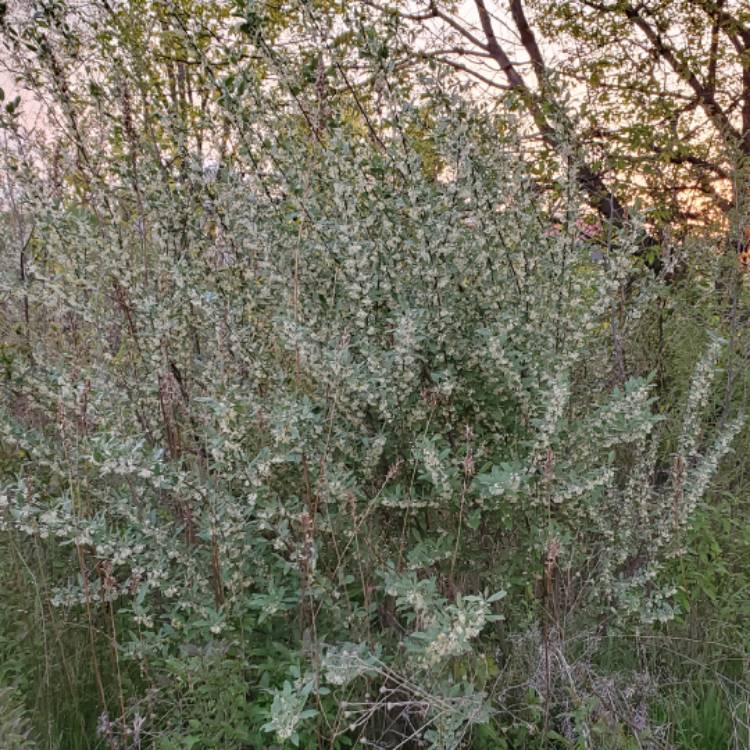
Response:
column 653, row 97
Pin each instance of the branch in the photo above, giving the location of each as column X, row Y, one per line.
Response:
column 426, row 16
column 713, row 55
column 470, row 71
column 466, row 51
column 708, row 103
column 498, row 53
column 600, row 197
column 737, row 34
column 463, row 31
column 693, row 161
column 528, row 39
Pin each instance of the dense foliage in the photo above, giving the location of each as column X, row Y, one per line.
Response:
column 331, row 414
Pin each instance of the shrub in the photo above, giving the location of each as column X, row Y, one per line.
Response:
column 320, row 442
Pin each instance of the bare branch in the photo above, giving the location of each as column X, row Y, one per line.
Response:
column 713, row 55
column 493, row 46
column 470, row 71
column 694, row 161
column 426, row 16
column 528, row 39
column 462, row 30
column 465, row 51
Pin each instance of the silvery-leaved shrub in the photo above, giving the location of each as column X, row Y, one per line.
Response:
column 341, row 413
